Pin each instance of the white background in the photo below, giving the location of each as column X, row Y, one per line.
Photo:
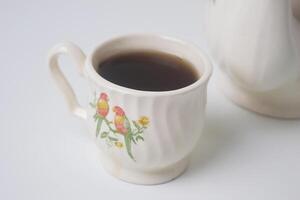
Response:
column 46, row 153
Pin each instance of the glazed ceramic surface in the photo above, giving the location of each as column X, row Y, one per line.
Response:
column 144, row 137
column 256, row 45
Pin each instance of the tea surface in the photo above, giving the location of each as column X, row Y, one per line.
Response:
column 148, row 71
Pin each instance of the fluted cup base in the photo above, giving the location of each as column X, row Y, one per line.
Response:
column 144, row 177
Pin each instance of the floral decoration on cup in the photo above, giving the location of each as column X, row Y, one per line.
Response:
column 120, row 131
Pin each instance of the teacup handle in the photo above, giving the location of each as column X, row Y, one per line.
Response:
column 76, row 54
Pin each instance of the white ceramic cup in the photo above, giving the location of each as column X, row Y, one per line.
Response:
column 144, row 137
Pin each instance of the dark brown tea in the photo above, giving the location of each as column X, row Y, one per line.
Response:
column 148, row 71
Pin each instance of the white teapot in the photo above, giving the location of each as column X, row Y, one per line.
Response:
column 256, row 45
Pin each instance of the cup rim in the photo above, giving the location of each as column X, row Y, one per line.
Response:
column 99, row 80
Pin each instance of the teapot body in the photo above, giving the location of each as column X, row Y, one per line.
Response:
column 254, row 45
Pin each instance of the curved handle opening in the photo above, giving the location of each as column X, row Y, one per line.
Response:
column 67, row 48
